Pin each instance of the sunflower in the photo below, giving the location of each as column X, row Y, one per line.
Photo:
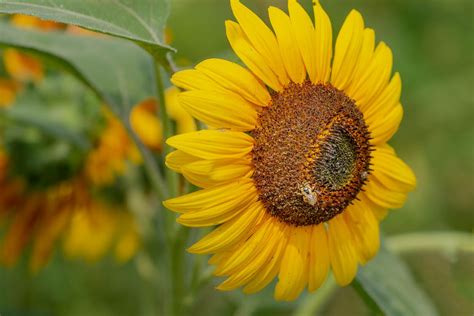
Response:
column 115, row 147
column 297, row 173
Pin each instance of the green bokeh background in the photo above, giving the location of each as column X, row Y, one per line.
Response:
column 432, row 44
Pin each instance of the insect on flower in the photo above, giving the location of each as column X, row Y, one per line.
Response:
column 308, row 195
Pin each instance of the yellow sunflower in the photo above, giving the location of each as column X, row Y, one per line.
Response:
column 298, row 173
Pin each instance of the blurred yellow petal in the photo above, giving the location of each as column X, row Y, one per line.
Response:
column 32, row 22
column 8, row 92
column 146, row 124
column 22, row 67
column 128, row 242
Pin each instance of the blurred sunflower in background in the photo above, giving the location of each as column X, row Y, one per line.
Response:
column 298, row 173
column 54, row 192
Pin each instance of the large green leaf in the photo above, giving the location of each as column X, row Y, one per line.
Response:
column 388, row 282
column 118, row 71
column 142, row 21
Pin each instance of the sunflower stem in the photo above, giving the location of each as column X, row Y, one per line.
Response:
column 150, row 163
column 177, row 271
column 171, row 177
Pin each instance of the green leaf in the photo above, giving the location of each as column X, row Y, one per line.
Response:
column 388, row 282
column 141, row 21
column 118, row 71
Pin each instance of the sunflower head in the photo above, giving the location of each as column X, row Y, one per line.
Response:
column 297, row 172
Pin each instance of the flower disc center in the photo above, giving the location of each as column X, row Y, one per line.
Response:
column 312, row 153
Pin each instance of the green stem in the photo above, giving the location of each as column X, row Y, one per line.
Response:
column 171, row 177
column 177, row 270
column 151, row 165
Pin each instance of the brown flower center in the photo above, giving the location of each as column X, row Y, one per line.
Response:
column 312, row 153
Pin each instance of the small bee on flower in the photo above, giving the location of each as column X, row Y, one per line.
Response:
column 308, row 195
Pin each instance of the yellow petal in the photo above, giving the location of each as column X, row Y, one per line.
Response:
column 218, row 214
column 375, row 77
column 22, row 67
column 253, row 59
column 289, row 51
column 145, row 123
column 302, row 28
column 364, row 228
column 391, row 170
column 205, row 173
column 382, row 128
column 248, row 249
column 220, row 110
column 379, row 212
column 293, row 274
column 271, row 269
column 318, row 257
column 213, row 144
column 261, row 38
column 254, row 265
column 342, row 252
column 323, row 41
column 236, row 79
column 383, row 196
column 386, row 101
column 230, row 233
column 348, row 45
column 365, row 58
column 232, row 193
column 184, row 122
column 191, row 79
column 176, row 159
column 8, row 91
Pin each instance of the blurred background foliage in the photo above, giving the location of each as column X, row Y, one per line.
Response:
column 56, row 123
